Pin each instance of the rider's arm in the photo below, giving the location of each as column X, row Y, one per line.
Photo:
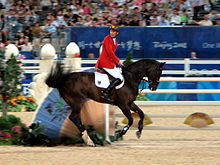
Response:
column 109, row 48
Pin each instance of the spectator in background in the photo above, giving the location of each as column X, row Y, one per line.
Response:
column 213, row 14
column 114, row 21
column 36, row 32
column 49, row 30
column 154, row 19
column 95, row 22
column 205, row 22
column 193, row 55
column 91, row 55
column 80, row 21
column 163, row 21
column 45, row 4
column 217, row 21
column 86, row 9
column 136, row 12
column 79, row 10
column 198, row 7
column 145, row 14
column 27, row 45
column 3, row 29
column 59, row 22
column 21, row 39
column 184, row 18
column 105, row 14
column 175, row 18
column 2, row 4
column 125, row 21
column 88, row 20
column 67, row 21
column 135, row 21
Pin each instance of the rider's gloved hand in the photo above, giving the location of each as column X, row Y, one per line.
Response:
column 120, row 64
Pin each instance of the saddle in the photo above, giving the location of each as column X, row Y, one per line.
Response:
column 103, row 79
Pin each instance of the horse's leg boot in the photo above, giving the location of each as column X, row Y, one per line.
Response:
column 106, row 93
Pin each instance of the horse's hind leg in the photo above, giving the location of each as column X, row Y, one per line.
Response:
column 126, row 111
column 136, row 109
column 76, row 119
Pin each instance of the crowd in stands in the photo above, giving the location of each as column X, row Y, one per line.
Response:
column 26, row 22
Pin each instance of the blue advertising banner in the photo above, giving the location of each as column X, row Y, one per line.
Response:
column 186, row 96
column 152, row 42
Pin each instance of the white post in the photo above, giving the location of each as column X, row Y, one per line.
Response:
column 186, row 66
column 38, row 89
column 107, row 123
column 10, row 50
column 73, row 60
column 74, row 64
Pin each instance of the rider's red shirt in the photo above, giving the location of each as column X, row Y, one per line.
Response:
column 107, row 58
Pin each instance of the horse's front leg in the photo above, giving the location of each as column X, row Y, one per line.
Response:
column 126, row 111
column 136, row 109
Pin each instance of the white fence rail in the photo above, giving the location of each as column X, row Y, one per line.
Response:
column 185, row 62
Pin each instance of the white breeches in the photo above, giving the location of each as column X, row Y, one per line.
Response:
column 115, row 72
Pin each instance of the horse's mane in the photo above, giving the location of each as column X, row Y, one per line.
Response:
column 139, row 69
column 146, row 62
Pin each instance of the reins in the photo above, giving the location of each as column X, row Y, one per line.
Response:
column 144, row 86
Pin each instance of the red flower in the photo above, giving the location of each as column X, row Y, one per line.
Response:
column 17, row 129
column 31, row 99
column 7, row 135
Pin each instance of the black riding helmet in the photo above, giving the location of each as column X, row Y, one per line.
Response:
column 114, row 27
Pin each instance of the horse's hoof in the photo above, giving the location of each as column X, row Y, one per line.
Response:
column 138, row 134
column 106, row 142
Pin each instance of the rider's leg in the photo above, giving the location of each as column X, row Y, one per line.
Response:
column 116, row 73
column 108, row 90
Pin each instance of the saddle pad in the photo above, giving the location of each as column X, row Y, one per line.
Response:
column 102, row 81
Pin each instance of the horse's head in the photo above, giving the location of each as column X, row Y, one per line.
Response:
column 144, row 68
column 153, row 75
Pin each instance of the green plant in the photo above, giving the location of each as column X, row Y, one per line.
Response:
column 142, row 97
column 21, row 103
column 13, row 132
column 128, row 59
column 10, row 129
column 10, row 76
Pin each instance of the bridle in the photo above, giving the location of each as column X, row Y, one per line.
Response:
column 144, row 86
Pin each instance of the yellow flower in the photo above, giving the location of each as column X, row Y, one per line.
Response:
column 141, row 94
column 21, row 98
column 12, row 101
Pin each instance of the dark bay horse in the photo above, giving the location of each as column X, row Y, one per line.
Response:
column 76, row 87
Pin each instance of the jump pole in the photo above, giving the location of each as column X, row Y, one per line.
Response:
column 107, row 107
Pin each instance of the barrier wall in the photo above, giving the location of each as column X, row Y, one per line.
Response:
column 152, row 42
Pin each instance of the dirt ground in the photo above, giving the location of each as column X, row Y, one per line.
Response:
column 155, row 147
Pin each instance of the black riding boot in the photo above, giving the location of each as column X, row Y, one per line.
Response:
column 107, row 91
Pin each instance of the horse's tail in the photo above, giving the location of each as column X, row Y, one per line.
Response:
column 55, row 77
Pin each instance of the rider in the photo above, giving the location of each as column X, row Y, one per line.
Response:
column 108, row 61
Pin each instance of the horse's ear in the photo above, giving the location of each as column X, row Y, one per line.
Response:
column 162, row 64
